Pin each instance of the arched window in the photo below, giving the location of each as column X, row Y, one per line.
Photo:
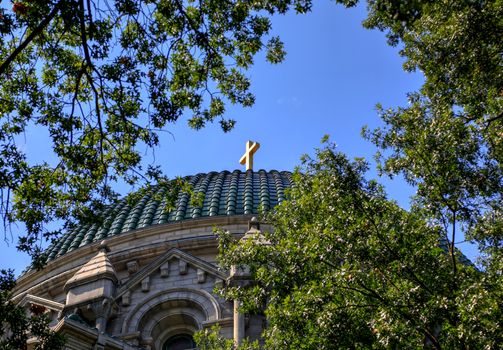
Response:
column 179, row 342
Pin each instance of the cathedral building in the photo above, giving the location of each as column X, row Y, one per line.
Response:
column 145, row 278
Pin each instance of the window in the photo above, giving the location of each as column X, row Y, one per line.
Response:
column 179, row 342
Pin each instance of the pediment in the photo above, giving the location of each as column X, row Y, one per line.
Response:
column 157, row 266
column 30, row 299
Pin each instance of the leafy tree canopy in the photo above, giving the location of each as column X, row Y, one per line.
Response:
column 104, row 77
column 449, row 140
column 16, row 326
column 345, row 268
column 210, row 339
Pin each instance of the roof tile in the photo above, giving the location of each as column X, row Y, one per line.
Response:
column 224, row 193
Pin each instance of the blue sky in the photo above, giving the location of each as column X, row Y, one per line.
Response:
column 334, row 74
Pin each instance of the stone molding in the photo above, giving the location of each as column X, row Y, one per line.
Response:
column 158, row 264
column 49, row 304
column 206, row 302
column 223, row 322
column 161, row 319
column 58, row 269
column 79, row 331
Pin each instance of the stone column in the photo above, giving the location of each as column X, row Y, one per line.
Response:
column 239, row 323
column 240, row 276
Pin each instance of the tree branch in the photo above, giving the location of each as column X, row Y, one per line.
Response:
column 87, row 55
column 490, row 120
column 83, row 34
column 5, row 64
column 452, row 246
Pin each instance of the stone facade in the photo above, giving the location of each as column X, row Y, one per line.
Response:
column 139, row 289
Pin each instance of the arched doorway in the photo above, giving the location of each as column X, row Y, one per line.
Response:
column 179, row 342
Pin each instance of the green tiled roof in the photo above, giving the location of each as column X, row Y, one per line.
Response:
column 224, row 193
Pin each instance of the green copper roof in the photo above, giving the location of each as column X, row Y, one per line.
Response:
column 224, row 193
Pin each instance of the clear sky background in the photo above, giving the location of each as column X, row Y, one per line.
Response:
column 334, row 74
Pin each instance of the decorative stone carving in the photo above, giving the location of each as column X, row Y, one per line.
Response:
column 126, row 298
column 254, row 224
column 132, row 267
column 132, row 338
column 147, row 343
column 201, row 276
column 183, row 267
column 219, row 283
column 102, row 311
column 165, row 269
column 145, row 284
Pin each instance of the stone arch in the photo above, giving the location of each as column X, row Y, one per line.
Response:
column 170, row 326
column 182, row 316
column 200, row 300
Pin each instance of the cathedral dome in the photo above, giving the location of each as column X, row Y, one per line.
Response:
column 222, row 194
column 144, row 277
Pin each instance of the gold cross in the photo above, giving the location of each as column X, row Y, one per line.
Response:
column 251, row 148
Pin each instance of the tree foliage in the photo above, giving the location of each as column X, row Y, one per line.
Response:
column 16, row 326
column 449, row 140
column 105, row 77
column 210, row 339
column 345, row 268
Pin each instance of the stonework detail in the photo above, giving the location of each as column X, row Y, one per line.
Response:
column 182, row 267
column 166, row 289
column 164, row 269
column 132, row 267
column 219, row 283
column 126, row 299
column 201, row 276
column 145, row 284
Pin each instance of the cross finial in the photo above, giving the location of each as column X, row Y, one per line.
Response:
column 247, row 158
